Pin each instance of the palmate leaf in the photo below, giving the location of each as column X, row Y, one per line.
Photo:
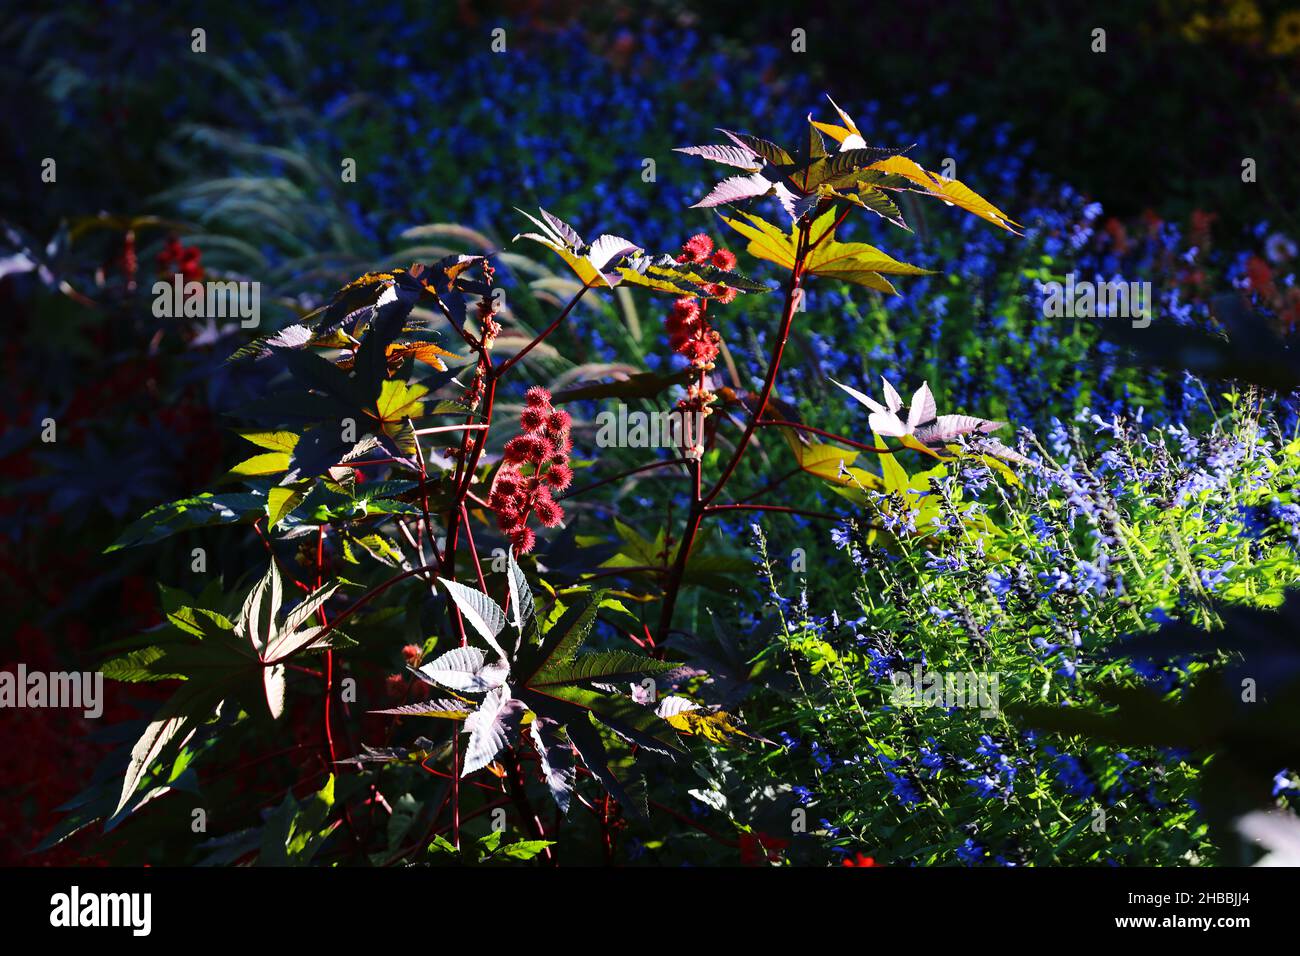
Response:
column 872, row 199
column 555, row 756
column 734, row 189
column 273, row 641
column 257, row 616
column 466, row 669
column 741, row 157
column 950, row 191
column 167, row 732
column 830, row 463
column 610, row 667
column 691, row 274
column 591, row 749
column 280, row 502
column 688, row 717
column 523, row 610
column 543, row 673
column 357, row 393
column 480, row 612
column 445, row 707
column 494, row 725
column 592, row 264
column 631, row 721
column 769, row 151
column 561, row 642
column 856, row 262
column 200, row 511
column 140, row 665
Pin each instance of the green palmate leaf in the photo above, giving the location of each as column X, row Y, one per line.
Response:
column 171, row 727
column 856, row 262
column 295, row 832
column 524, row 849
column 379, row 547
column 606, row 666
column 562, row 640
column 280, row 501
column 200, row 511
column 269, row 463
column 281, row 441
column 769, row 151
column 631, row 721
column 143, row 664
column 201, row 622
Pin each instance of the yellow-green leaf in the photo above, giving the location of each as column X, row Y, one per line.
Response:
column 275, row 441
column 279, row 502
column 856, row 262
column 949, row 190
column 270, row 463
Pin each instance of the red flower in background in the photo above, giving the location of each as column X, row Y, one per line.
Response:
column 183, row 259
column 757, row 848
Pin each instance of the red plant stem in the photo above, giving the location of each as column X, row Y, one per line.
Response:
column 606, row 837
column 329, row 654
column 880, row 450
column 424, row 765
column 376, row 461
column 783, row 335
column 621, row 475
column 839, row 221
column 425, row 526
column 776, row 483
column 469, row 537
column 329, row 684
column 465, row 468
column 689, row 822
column 701, row 501
column 509, row 363
column 781, row 509
column 519, row 794
column 369, row 596
column 449, row 428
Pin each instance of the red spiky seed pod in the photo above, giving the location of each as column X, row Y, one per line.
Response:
column 524, row 540
column 559, row 476
column 548, row 512
column 724, row 259
column 697, row 248
column 519, row 449
column 532, row 418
